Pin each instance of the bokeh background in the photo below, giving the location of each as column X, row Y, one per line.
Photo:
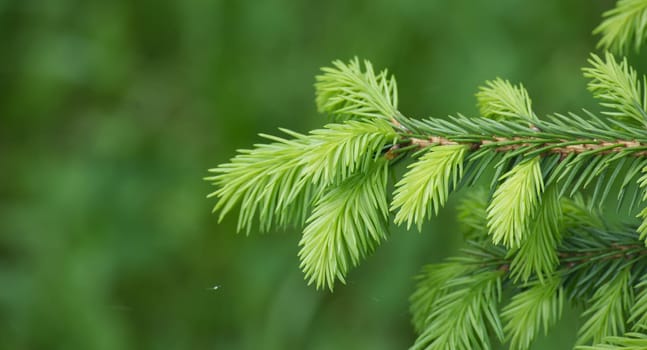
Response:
column 112, row 111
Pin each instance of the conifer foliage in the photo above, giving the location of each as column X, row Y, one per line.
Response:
column 535, row 241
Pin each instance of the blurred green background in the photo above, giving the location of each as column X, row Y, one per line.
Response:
column 111, row 112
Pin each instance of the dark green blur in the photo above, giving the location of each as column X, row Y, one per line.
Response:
column 112, row 111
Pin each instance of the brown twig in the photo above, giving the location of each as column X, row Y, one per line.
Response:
column 507, row 144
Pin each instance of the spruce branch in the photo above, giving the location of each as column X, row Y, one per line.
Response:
column 515, row 202
column 628, row 341
column 590, row 257
column 345, row 91
column 617, row 85
column 465, row 314
column 595, row 269
column 642, row 229
column 428, row 289
column 472, row 214
column 425, row 187
column 277, row 184
column 624, row 26
column 346, row 224
column 537, row 255
column 266, row 182
column 350, row 147
column 500, row 99
column 538, row 306
column 639, row 310
column 534, row 234
column 609, row 304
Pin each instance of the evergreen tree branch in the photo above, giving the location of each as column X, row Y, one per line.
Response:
column 629, row 341
column 642, row 182
column 624, row 26
column 277, row 182
column 606, row 315
column 267, row 181
column 429, row 290
column 537, row 255
column 515, row 202
column 499, row 99
column 527, row 236
column 590, row 260
column 639, row 310
column 465, row 314
column 425, row 188
column 591, row 257
column 596, row 268
column 617, row 85
column 345, row 91
column 540, row 305
column 346, row 224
